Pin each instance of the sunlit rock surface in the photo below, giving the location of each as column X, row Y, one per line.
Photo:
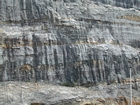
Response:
column 64, row 41
column 21, row 93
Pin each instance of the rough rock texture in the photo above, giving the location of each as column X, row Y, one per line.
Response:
column 121, row 3
column 21, row 93
column 68, row 41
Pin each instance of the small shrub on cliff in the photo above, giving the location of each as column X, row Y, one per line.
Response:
column 68, row 84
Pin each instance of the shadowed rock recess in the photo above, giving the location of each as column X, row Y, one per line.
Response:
column 69, row 41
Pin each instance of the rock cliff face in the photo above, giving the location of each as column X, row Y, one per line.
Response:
column 68, row 41
column 121, row 3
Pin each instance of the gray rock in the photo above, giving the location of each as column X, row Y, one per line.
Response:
column 21, row 93
column 75, row 42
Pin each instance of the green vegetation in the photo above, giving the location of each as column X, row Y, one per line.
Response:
column 68, row 84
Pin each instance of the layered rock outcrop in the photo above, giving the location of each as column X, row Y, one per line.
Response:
column 34, row 94
column 62, row 41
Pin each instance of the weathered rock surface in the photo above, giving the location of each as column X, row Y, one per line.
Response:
column 21, row 93
column 62, row 41
column 121, row 3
